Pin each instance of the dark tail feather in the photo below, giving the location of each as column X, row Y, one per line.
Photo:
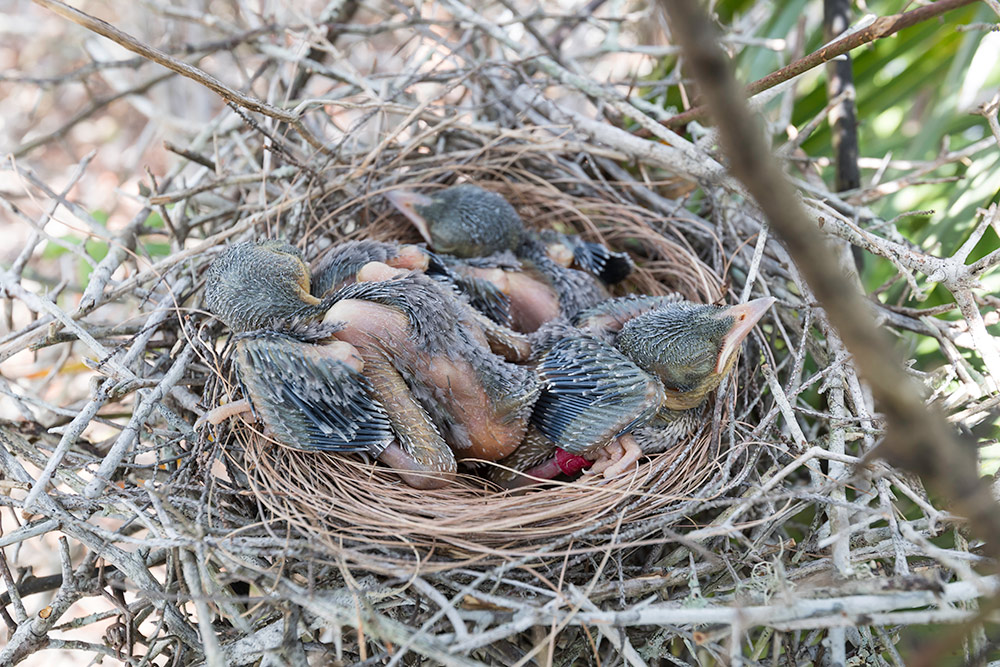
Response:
column 610, row 267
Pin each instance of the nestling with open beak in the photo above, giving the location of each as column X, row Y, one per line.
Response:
column 544, row 275
column 606, row 404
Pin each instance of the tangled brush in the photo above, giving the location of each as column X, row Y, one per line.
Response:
column 760, row 537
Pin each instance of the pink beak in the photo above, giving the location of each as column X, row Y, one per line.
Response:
column 746, row 315
column 407, row 201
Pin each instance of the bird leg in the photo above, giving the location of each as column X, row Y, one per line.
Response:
column 507, row 343
column 374, row 329
column 479, row 427
column 420, row 449
column 337, row 350
column 420, row 456
column 412, row 472
column 616, row 458
column 219, row 414
column 376, row 271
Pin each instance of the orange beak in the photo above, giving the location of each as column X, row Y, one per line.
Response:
column 407, row 201
column 746, row 316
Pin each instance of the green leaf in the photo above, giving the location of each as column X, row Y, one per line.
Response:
column 156, row 249
column 154, row 221
column 53, row 250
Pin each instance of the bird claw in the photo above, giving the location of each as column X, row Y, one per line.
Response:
column 616, row 458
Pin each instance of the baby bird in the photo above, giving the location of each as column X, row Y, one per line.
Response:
column 383, row 353
column 475, row 298
column 534, row 270
column 609, row 398
column 306, row 386
column 405, row 320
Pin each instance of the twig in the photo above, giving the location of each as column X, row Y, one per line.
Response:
column 148, row 401
column 105, row 29
column 82, row 115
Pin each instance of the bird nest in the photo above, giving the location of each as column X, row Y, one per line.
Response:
column 362, row 512
column 761, row 535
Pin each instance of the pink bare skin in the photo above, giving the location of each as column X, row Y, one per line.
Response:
column 409, row 257
column 532, row 302
column 459, row 390
column 344, row 353
column 221, row 413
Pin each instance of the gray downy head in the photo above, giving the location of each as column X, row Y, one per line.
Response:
column 464, row 220
column 690, row 347
column 260, row 284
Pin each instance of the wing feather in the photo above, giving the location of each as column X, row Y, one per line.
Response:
column 309, row 399
column 592, row 394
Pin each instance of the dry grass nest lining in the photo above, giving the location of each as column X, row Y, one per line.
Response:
column 362, row 511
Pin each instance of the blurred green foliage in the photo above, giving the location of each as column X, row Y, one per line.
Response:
column 915, row 91
column 915, row 94
column 93, row 248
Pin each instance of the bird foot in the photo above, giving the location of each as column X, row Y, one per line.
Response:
column 420, row 473
column 616, row 458
column 220, row 414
